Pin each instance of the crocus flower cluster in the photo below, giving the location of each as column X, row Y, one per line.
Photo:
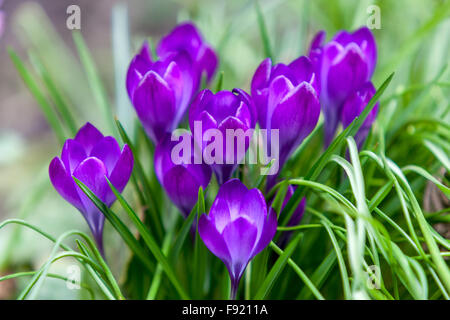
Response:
column 285, row 97
column 237, row 228
column 161, row 90
column 344, row 67
column 91, row 157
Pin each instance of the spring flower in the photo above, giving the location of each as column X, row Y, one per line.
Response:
column 343, row 66
column 186, row 38
column 90, row 157
column 354, row 105
column 222, row 111
column 286, row 98
column 160, row 90
column 181, row 181
column 237, row 228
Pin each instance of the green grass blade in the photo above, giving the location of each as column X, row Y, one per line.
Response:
column 98, row 90
column 32, row 85
column 150, row 242
column 279, row 265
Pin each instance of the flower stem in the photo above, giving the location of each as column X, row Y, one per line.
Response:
column 234, row 288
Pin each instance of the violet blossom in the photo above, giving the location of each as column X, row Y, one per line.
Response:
column 90, row 157
column 343, row 66
column 237, row 227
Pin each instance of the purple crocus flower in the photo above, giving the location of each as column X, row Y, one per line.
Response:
column 160, row 90
column 237, row 228
column 186, row 37
column 182, row 180
column 90, row 157
column 343, row 65
column 354, row 105
column 222, row 111
column 286, row 98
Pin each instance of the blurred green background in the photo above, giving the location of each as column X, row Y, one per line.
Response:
column 413, row 41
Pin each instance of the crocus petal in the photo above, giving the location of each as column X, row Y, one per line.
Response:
column 208, row 61
column 108, row 151
column 182, row 188
column 185, row 36
column 247, row 99
column 353, row 107
column 201, row 99
column 72, row 154
column 220, row 214
column 303, row 70
column 348, row 72
column 254, row 207
column 92, row 173
column 240, row 236
column 278, row 89
column 232, row 192
column 88, row 136
column 213, row 240
column 222, row 105
column 262, row 75
column 121, row 173
column 139, row 66
column 365, row 40
column 64, row 184
column 318, row 40
column 267, row 234
column 295, row 117
column 154, row 101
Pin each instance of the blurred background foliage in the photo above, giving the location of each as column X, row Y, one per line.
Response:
column 414, row 41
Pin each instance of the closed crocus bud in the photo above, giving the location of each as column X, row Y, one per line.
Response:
column 286, row 99
column 178, row 174
column 343, row 65
column 354, row 105
column 160, row 90
column 90, row 157
column 237, row 228
column 225, row 112
column 186, row 37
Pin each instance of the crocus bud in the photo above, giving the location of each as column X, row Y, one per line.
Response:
column 186, row 37
column 90, row 157
column 223, row 114
column 286, row 99
column 178, row 174
column 343, row 65
column 237, row 228
column 160, row 90
column 354, row 105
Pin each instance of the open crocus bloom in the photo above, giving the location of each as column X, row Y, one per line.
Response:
column 90, row 157
column 237, row 228
column 343, row 66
